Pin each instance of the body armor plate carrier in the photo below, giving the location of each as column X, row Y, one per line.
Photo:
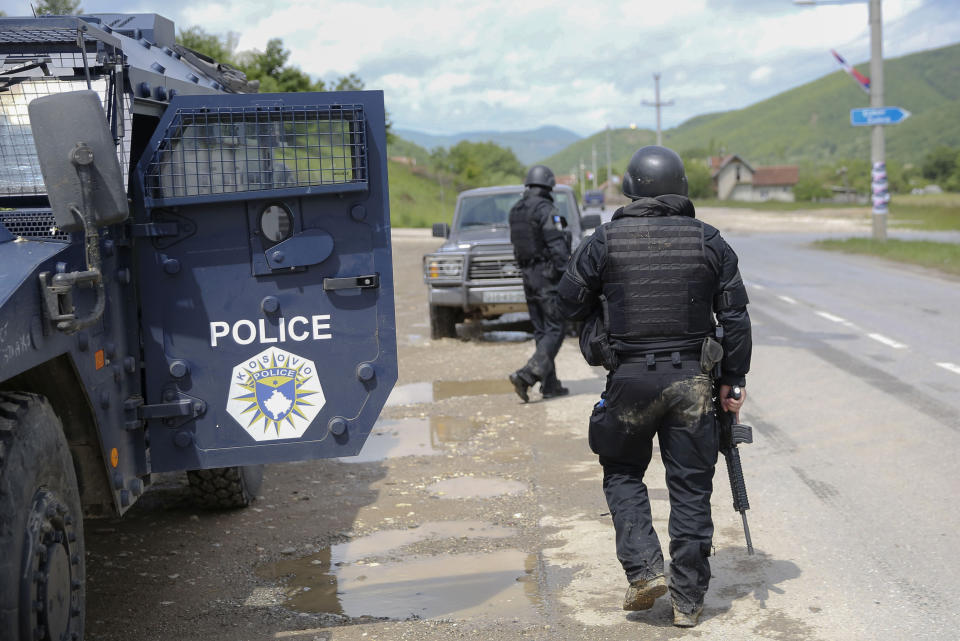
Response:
column 525, row 235
column 657, row 282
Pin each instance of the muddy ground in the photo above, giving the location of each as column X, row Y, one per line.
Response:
column 469, row 515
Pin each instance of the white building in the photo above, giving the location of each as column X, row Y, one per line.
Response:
column 734, row 179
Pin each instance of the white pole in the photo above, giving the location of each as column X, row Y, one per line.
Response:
column 877, row 150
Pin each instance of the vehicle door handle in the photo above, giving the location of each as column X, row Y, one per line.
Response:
column 371, row 281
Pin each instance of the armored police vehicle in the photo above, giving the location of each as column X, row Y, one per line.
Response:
column 192, row 277
column 474, row 274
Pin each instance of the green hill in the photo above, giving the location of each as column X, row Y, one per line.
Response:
column 811, row 123
column 623, row 142
column 528, row 145
column 398, row 146
column 416, row 198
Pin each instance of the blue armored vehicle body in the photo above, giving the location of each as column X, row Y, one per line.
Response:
column 193, row 276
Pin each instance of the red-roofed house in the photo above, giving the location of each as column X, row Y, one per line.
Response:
column 735, row 179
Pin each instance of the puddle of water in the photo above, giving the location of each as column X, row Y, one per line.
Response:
column 462, row 586
column 453, row 429
column 386, row 540
column 470, row 487
column 451, row 389
column 393, row 438
column 506, row 337
column 411, row 394
column 416, row 393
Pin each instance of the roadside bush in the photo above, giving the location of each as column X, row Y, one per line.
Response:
column 698, row 178
column 939, row 164
column 810, row 187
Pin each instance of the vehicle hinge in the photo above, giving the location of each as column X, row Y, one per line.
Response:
column 182, row 408
column 131, row 413
column 154, row 230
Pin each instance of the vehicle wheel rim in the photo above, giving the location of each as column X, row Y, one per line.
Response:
column 51, row 582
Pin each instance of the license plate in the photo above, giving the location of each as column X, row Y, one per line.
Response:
column 504, row 297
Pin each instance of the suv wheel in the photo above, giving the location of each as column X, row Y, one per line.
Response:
column 224, row 488
column 443, row 321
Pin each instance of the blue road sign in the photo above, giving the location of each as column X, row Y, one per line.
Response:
column 878, row 116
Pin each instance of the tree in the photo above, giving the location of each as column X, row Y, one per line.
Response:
column 219, row 48
column 270, row 67
column 484, row 163
column 940, row 163
column 699, row 184
column 351, row 82
column 810, row 187
column 58, row 8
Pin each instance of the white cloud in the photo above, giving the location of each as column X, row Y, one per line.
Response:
column 761, row 74
column 501, row 64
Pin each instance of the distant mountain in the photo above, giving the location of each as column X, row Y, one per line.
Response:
column 623, row 142
column 811, row 123
column 529, row 146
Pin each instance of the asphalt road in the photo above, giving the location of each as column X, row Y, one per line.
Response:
column 471, row 515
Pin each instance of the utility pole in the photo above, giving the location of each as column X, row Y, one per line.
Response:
column 657, row 103
column 609, row 164
column 583, row 182
column 594, row 166
column 877, row 146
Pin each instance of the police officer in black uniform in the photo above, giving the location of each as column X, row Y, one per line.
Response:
column 650, row 286
column 542, row 250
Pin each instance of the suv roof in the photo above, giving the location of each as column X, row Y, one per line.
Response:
column 501, row 189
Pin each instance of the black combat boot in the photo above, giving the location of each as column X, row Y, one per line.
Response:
column 521, row 384
column 642, row 593
column 554, row 392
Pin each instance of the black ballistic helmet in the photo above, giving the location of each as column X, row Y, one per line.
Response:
column 540, row 176
column 654, row 171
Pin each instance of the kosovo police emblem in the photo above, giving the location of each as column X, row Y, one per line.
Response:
column 275, row 395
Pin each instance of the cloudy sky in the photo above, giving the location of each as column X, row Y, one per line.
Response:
column 454, row 66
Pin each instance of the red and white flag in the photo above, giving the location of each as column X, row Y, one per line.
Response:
column 861, row 79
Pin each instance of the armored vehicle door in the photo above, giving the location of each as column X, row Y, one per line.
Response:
column 264, row 275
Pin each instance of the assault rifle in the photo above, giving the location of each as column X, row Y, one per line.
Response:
column 732, row 433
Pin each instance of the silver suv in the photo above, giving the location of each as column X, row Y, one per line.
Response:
column 474, row 273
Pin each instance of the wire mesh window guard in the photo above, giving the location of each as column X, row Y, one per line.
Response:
column 255, row 148
column 19, row 168
column 36, row 224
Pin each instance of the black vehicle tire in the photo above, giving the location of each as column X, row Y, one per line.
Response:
column 41, row 525
column 225, row 488
column 443, row 321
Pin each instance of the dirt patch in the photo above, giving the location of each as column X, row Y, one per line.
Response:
column 731, row 219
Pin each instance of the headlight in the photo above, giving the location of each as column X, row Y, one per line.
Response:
column 438, row 267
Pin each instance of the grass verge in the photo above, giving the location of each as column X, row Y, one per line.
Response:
column 415, row 199
column 942, row 256
column 933, row 212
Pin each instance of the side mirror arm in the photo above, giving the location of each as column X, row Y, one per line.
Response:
column 58, row 294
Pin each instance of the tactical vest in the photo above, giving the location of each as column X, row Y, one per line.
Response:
column 656, row 281
column 525, row 232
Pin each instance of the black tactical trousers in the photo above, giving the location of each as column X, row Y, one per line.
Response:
column 675, row 404
column 548, row 329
